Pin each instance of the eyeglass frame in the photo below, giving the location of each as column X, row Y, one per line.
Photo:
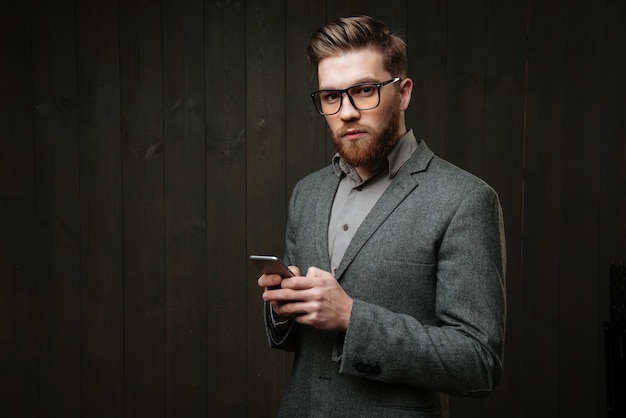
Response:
column 342, row 91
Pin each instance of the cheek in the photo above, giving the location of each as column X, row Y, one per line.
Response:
column 382, row 117
column 333, row 123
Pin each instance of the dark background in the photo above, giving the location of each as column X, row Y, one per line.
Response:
column 147, row 148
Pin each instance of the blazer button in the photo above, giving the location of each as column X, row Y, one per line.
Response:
column 359, row 366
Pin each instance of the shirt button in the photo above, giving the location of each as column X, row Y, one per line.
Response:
column 345, row 227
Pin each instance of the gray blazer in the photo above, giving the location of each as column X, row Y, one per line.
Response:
column 426, row 272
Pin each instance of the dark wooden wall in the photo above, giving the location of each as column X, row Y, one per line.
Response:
column 148, row 147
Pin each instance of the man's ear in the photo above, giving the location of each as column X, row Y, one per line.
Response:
column 406, row 88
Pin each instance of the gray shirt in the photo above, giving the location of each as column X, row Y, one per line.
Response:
column 356, row 197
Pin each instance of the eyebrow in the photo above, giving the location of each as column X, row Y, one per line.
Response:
column 363, row 81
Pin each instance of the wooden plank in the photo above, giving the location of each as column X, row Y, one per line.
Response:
column 308, row 147
column 226, row 208
column 542, row 203
column 583, row 116
column 185, row 200
column 18, row 286
column 58, row 215
column 266, row 208
column 465, row 84
column 102, row 336
column 426, row 43
column 345, row 8
column 394, row 13
column 504, row 144
column 612, row 225
column 141, row 99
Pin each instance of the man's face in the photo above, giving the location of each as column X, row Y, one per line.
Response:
column 363, row 137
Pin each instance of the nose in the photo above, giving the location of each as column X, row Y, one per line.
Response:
column 348, row 111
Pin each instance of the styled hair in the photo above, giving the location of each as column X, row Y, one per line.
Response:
column 355, row 33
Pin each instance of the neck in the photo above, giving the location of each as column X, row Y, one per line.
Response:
column 364, row 171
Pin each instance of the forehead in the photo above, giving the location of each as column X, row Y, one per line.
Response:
column 352, row 67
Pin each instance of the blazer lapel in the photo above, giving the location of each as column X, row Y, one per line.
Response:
column 403, row 184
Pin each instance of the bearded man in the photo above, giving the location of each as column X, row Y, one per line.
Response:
column 402, row 300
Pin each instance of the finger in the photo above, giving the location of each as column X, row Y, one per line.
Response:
column 269, row 280
column 317, row 272
column 297, row 283
column 314, row 272
column 291, row 308
column 261, row 281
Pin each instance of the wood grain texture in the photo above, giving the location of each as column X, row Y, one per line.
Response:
column 141, row 114
column 101, row 254
column 57, row 167
column 184, row 209
column 225, row 89
column 18, row 249
column 543, row 203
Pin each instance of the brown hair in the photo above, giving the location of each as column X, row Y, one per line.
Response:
column 359, row 32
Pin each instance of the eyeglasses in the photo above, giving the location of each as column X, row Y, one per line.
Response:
column 364, row 96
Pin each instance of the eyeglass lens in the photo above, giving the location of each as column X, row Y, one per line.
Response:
column 362, row 97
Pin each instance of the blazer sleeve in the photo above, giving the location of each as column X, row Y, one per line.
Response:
column 461, row 352
column 285, row 337
column 279, row 337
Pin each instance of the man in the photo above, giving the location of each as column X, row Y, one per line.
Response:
column 402, row 301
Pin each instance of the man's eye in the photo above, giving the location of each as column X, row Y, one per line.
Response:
column 331, row 96
column 365, row 90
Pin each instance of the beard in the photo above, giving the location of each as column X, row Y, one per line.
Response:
column 371, row 149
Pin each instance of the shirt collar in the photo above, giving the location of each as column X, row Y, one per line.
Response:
column 399, row 154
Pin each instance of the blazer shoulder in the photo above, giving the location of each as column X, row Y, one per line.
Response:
column 316, row 179
column 319, row 185
column 443, row 177
column 446, row 169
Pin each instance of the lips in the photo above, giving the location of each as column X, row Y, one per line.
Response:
column 353, row 134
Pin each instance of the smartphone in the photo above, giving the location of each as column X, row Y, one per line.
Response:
column 270, row 264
